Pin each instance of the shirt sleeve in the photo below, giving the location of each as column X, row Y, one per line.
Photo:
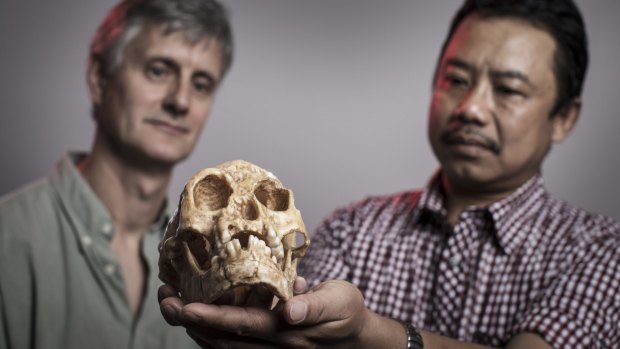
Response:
column 582, row 307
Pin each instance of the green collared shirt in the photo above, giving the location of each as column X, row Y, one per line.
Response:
column 60, row 283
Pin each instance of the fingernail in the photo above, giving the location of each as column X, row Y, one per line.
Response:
column 298, row 312
column 299, row 287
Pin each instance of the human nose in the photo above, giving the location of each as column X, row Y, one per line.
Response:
column 475, row 106
column 177, row 99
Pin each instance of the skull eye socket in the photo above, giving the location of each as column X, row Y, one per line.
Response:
column 213, row 192
column 274, row 198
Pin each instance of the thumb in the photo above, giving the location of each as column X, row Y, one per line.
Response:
column 328, row 301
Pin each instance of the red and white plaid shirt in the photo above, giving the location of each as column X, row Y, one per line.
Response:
column 528, row 263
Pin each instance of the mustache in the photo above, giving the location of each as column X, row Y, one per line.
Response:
column 470, row 136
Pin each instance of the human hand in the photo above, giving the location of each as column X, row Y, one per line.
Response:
column 332, row 315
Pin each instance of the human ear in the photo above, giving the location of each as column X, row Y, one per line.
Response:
column 565, row 120
column 95, row 80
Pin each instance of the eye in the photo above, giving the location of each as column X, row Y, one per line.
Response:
column 451, row 80
column 157, row 70
column 507, row 91
column 456, row 80
column 203, row 85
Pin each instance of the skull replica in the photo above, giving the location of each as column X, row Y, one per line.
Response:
column 236, row 227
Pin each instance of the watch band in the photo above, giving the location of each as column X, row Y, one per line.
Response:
column 414, row 338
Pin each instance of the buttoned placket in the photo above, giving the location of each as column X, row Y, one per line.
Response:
column 107, row 230
column 460, row 253
column 478, row 277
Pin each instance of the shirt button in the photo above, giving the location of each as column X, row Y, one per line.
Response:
column 86, row 240
column 106, row 228
column 109, row 269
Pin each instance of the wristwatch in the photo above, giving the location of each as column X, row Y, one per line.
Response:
column 414, row 338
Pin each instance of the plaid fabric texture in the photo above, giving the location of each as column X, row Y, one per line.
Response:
column 528, row 263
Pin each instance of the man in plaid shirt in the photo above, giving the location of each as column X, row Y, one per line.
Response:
column 483, row 256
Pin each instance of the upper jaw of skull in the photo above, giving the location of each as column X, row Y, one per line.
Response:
column 234, row 245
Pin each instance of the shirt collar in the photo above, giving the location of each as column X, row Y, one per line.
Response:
column 432, row 197
column 79, row 199
column 509, row 215
column 514, row 212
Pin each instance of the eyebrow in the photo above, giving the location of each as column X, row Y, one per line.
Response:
column 501, row 74
column 205, row 74
column 459, row 63
column 174, row 65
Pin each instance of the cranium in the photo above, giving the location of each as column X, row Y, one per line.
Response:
column 236, row 227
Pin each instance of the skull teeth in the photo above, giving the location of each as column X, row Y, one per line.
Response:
column 225, row 236
column 253, row 241
column 255, row 245
column 237, row 244
column 278, row 251
column 233, row 248
column 272, row 238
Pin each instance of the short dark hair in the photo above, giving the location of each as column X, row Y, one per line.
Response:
column 560, row 18
column 197, row 19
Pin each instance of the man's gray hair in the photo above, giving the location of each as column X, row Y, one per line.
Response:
column 196, row 19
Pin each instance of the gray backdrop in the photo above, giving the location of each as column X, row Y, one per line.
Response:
column 329, row 95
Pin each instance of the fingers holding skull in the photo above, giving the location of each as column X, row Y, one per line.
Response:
column 332, row 315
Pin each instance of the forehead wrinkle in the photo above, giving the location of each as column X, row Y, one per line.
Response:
column 177, row 48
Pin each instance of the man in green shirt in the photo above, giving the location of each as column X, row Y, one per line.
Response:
column 78, row 249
